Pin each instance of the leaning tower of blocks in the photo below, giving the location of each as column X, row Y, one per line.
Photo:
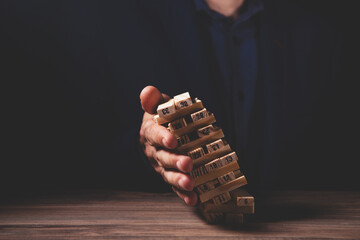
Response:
column 218, row 179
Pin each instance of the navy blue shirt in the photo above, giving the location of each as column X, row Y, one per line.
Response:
column 234, row 44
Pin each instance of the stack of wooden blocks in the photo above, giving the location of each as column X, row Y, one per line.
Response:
column 218, row 179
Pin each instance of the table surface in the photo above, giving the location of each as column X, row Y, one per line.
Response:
column 111, row 214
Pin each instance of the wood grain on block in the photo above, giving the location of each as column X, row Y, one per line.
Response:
column 242, row 198
column 214, row 146
column 196, row 106
column 211, row 156
column 228, row 207
column 227, row 177
column 166, row 109
column 197, row 116
column 192, row 126
column 218, row 133
column 222, row 198
column 238, row 182
column 183, row 100
column 215, row 174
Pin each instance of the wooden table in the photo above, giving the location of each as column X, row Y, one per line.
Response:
column 109, row 214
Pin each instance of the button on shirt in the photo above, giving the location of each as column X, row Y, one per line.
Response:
column 235, row 48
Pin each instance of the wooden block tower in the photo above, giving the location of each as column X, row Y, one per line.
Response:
column 217, row 175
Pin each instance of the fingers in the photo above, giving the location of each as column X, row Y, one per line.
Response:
column 172, row 160
column 190, row 198
column 178, row 180
column 158, row 135
column 150, row 98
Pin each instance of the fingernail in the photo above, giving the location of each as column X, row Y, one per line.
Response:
column 179, row 165
column 164, row 142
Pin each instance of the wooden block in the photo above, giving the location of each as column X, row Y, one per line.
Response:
column 215, row 174
column 196, row 116
column 214, row 146
column 242, row 198
column 211, row 156
column 205, row 131
column 226, row 178
column 177, row 124
column 197, row 172
column 213, row 165
column 166, row 109
column 231, row 157
column 183, row 140
column 197, row 153
column 218, row 133
column 182, row 100
column 222, row 198
column 196, row 106
column 228, row 207
column 192, row 126
column 207, row 186
column 238, row 182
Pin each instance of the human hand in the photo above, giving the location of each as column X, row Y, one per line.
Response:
column 157, row 143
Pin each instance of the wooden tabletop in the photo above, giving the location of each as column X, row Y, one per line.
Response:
column 109, row 214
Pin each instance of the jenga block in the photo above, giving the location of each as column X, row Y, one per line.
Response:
column 196, row 106
column 222, row 198
column 166, row 109
column 192, row 126
column 183, row 140
column 238, row 182
column 211, row 156
column 207, row 186
column 228, row 207
column 196, row 116
column 242, row 198
column 177, row 124
column 227, row 177
column 182, row 100
column 214, row 146
column 213, row 165
column 215, row 174
column 197, row 153
column 231, row 157
column 218, row 133
column 205, row 131
column 211, row 218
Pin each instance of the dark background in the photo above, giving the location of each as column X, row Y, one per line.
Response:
column 57, row 112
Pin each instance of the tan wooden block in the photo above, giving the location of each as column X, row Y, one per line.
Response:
column 226, row 178
column 218, row 133
column 205, row 131
column 177, row 124
column 192, row 126
column 231, row 157
column 214, row 165
column 211, row 156
column 197, row 153
column 196, row 116
column 183, row 100
column 228, row 207
column 214, row 146
column 242, row 198
column 238, row 182
column 222, row 198
column 215, row 174
column 198, row 172
column 207, row 186
column 196, row 106
column 166, row 109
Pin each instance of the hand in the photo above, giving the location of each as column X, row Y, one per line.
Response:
column 157, row 143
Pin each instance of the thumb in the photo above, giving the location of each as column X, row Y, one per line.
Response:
column 150, row 98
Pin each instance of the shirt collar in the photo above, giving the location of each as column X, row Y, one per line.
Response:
column 252, row 7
